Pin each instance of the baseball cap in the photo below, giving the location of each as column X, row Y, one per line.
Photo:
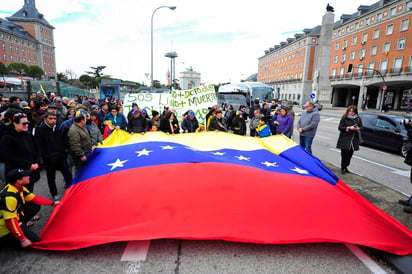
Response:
column 16, row 174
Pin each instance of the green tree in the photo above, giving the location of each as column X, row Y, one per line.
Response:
column 17, row 68
column 3, row 71
column 35, row 71
column 86, row 80
column 61, row 77
column 97, row 71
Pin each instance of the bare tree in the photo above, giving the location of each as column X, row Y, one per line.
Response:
column 71, row 75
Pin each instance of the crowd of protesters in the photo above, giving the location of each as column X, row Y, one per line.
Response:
column 58, row 134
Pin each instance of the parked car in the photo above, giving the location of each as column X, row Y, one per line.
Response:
column 384, row 131
column 317, row 106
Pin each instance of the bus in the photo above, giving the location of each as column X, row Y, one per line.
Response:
column 250, row 90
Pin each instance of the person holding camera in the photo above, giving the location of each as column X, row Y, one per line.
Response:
column 349, row 136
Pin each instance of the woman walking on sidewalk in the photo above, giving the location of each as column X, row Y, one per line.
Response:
column 349, row 136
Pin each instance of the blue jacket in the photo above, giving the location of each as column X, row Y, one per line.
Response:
column 119, row 120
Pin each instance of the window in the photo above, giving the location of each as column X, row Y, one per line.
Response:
column 383, row 66
column 393, row 11
column 376, row 33
column 11, row 58
column 342, row 71
column 3, row 46
column 352, row 55
column 401, row 43
column 367, row 21
column 333, row 73
column 337, row 45
column 379, row 17
column 374, row 50
column 345, row 44
column 11, row 48
column 364, row 38
column 386, row 47
column 389, row 29
column 343, row 59
column 362, row 53
column 409, row 6
column 397, row 65
column 335, row 59
column 371, row 69
column 405, row 25
column 354, row 40
column 5, row 57
column 360, row 69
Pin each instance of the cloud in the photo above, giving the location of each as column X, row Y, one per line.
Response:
column 220, row 39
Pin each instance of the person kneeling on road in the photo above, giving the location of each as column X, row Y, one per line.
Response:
column 17, row 207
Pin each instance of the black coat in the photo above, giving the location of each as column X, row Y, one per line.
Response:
column 51, row 143
column 19, row 150
column 349, row 139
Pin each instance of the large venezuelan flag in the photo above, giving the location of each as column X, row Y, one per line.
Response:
column 214, row 186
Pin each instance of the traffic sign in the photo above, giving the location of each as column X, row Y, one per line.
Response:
column 385, row 87
column 312, row 96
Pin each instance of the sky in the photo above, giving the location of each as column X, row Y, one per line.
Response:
column 220, row 39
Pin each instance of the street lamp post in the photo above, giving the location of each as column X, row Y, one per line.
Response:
column 151, row 42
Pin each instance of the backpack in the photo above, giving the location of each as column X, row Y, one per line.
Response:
column 3, row 194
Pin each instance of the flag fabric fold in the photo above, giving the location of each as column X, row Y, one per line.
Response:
column 214, row 186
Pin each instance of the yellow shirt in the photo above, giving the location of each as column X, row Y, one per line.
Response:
column 9, row 208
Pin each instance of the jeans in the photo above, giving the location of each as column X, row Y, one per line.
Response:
column 306, row 143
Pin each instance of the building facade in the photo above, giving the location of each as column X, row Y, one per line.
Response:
column 189, row 79
column 370, row 59
column 26, row 37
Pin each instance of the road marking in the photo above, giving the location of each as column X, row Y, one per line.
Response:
column 136, row 251
column 365, row 259
column 323, row 137
column 400, row 172
column 329, row 119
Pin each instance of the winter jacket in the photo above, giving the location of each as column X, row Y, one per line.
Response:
column 137, row 124
column 348, row 139
column 19, row 150
column 190, row 124
column 51, row 143
column 309, row 122
column 285, row 124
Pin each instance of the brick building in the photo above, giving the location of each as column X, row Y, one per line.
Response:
column 26, row 37
column 374, row 42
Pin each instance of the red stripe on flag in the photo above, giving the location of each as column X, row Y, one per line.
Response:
column 218, row 201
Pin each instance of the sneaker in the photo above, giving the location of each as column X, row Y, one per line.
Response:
column 404, row 202
column 30, row 223
column 57, row 197
column 35, row 218
column 407, row 209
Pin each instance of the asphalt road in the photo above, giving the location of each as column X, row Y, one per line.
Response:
column 186, row 256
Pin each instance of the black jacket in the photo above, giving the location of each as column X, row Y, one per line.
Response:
column 51, row 143
column 19, row 150
column 348, row 139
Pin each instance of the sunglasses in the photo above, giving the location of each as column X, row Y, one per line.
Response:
column 25, row 123
column 18, row 115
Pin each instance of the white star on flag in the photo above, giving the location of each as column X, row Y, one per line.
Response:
column 217, row 153
column 167, row 147
column 269, row 164
column 300, row 171
column 117, row 164
column 143, row 152
column 241, row 158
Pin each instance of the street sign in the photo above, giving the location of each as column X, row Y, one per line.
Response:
column 385, row 87
column 312, row 96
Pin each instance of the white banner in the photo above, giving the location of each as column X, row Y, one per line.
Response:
column 197, row 99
